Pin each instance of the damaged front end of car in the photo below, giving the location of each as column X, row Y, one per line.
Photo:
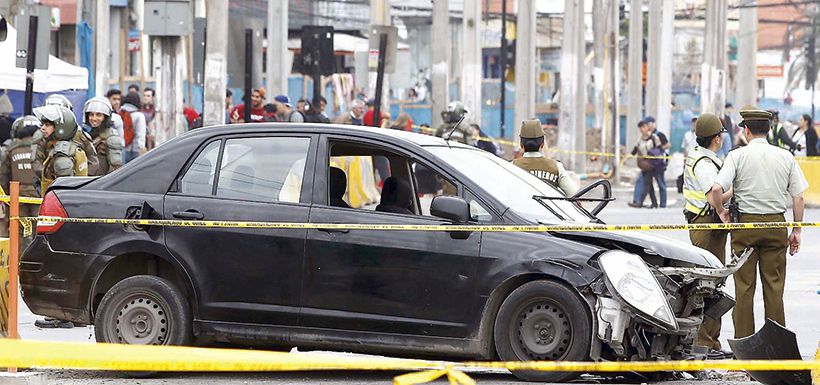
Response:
column 645, row 312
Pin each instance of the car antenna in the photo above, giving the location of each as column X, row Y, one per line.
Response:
column 454, row 128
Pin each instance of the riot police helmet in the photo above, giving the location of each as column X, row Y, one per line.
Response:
column 455, row 111
column 25, row 126
column 65, row 124
column 58, row 100
column 98, row 104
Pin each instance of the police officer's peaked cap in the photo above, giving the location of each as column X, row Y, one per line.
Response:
column 708, row 124
column 531, row 129
column 749, row 113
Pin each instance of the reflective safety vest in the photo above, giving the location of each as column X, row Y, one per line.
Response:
column 774, row 136
column 696, row 201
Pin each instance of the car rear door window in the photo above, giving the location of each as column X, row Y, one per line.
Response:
column 199, row 179
column 267, row 169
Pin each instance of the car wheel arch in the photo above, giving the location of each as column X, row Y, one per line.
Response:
column 132, row 264
column 500, row 293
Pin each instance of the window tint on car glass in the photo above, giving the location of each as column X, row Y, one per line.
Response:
column 263, row 169
column 199, row 179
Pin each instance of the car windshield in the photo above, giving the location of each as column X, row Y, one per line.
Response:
column 511, row 185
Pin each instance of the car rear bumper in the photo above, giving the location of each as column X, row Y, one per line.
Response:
column 57, row 284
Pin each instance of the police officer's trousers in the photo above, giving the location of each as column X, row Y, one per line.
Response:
column 770, row 255
column 713, row 241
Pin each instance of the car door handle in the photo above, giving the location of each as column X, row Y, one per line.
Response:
column 189, row 214
column 341, row 231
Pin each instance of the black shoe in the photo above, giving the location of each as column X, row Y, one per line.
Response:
column 51, row 323
column 635, row 205
column 654, row 206
column 720, row 354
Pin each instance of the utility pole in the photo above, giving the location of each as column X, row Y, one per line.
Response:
column 635, row 75
column 652, row 57
column 380, row 15
column 169, row 70
column 216, row 65
column 713, row 70
column 525, row 65
column 101, row 17
column 276, row 80
column 571, row 123
column 471, row 60
column 440, row 56
column 665, row 67
column 503, row 73
column 746, row 82
column 612, row 141
column 599, row 31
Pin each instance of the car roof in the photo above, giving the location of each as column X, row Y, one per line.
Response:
column 369, row 132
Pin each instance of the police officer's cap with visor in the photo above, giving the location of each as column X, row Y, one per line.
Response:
column 752, row 113
column 531, row 129
column 707, row 125
column 98, row 104
column 65, row 124
column 25, row 126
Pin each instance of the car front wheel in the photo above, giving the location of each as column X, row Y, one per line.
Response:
column 144, row 310
column 543, row 321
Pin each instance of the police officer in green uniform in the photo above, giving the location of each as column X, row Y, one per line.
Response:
column 452, row 116
column 764, row 178
column 107, row 141
column 17, row 161
column 548, row 170
column 64, row 156
column 81, row 137
column 700, row 170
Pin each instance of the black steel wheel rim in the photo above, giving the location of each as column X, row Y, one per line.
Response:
column 541, row 331
column 141, row 319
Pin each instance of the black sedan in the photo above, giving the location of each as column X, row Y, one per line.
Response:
column 487, row 295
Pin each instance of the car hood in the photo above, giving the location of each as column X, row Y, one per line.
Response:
column 650, row 243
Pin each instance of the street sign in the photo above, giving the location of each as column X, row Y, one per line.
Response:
column 392, row 46
column 43, row 43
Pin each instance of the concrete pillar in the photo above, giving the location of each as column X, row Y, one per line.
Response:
column 713, row 69
column 635, row 75
column 612, row 140
column 665, row 67
column 599, row 31
column 571, row 124
column 746, row 92
column 471, row 60
column 440, row 55
column 216, row 66
column 380, row 15
column 169, row 70
column 102, row 13
column 526, row 64
column 653, row 35
column 276, row 79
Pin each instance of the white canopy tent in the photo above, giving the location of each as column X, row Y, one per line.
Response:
column 59, row 76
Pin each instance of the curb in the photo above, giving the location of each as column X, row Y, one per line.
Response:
column 22, row 378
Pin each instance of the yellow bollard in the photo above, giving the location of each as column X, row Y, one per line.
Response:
column 14, row 260
column 816, row 372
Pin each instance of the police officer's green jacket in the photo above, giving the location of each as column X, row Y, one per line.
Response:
column 548, row 170
column 65, row 158
column 82, row 140
column 18, row 165
column 108, row 145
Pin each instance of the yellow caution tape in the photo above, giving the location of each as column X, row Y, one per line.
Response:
column 69, row 355
column 398, row 227
column 29, row 200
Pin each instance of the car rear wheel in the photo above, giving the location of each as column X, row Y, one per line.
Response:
column 144, row 310
column 543, row 321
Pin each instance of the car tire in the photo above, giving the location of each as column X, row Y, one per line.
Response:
column 154, row 310
column 543, row 321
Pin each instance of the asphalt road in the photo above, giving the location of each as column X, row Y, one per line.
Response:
column 802, row 307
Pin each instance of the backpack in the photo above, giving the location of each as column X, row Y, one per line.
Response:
column 658, row 164
column 128, row 131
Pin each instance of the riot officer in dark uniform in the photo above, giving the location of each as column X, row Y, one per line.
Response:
column 17, row 164
column 107, row 141
column 461, row 131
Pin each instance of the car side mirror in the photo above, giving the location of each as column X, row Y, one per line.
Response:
column 452, row 208
column 603, row 201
